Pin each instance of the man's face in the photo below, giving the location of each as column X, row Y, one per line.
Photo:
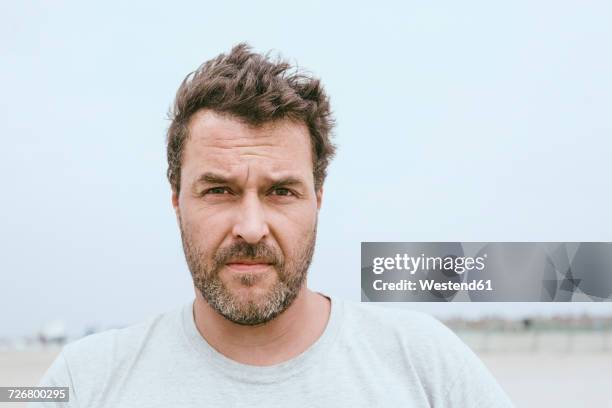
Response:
column 247, row 211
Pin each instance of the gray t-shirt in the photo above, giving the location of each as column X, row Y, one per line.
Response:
column 368, row 356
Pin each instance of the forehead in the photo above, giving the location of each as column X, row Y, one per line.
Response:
column 223, row 142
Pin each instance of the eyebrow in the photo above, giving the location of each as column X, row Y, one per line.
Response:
column 287, row 182
column 213, row 178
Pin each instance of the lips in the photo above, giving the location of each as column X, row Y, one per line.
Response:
column 248, row 265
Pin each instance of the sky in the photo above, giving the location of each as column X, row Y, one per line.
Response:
column 456, row 121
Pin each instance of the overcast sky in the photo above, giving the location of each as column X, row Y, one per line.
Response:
column 457, row 121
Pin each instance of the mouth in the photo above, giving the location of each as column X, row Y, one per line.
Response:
column 248, row 265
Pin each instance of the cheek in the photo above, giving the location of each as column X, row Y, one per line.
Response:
column 293, row 231
column 204, row 229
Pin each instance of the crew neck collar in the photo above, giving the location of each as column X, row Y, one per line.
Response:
column 265, row 374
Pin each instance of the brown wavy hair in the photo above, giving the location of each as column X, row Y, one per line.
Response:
column 255, row 89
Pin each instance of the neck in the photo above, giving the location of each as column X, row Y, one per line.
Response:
column 282, row 338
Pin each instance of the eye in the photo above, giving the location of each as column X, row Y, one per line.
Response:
column 217, row 190
column 281, row 191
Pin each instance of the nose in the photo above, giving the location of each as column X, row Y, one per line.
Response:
column 251, row 224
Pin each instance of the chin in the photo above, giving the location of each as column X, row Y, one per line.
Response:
column 250, row 294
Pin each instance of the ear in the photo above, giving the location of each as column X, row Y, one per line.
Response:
column 175, row 202
column 319, row 194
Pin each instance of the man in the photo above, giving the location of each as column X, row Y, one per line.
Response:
column 248, row 149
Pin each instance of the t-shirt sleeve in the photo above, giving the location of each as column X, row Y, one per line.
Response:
column 57, row 375
column 474, row 386
column 458, row 378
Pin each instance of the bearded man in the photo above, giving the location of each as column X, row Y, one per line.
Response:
column 248, row 150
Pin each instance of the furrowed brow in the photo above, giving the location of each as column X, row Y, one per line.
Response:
column 214, row 178
column 211, row 178
column 288, row 182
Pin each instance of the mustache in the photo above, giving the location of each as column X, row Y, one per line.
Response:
column 245, row 251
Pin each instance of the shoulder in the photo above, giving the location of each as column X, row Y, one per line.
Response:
column 449, row 371
column 97, row 361
column 409, row 337
column 419, row 327
column 115, row 344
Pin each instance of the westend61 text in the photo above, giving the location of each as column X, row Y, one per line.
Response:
column 430, row 284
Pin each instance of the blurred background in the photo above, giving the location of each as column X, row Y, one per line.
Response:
column 470, row 121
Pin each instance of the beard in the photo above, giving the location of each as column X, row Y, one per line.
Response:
column 291, row 274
